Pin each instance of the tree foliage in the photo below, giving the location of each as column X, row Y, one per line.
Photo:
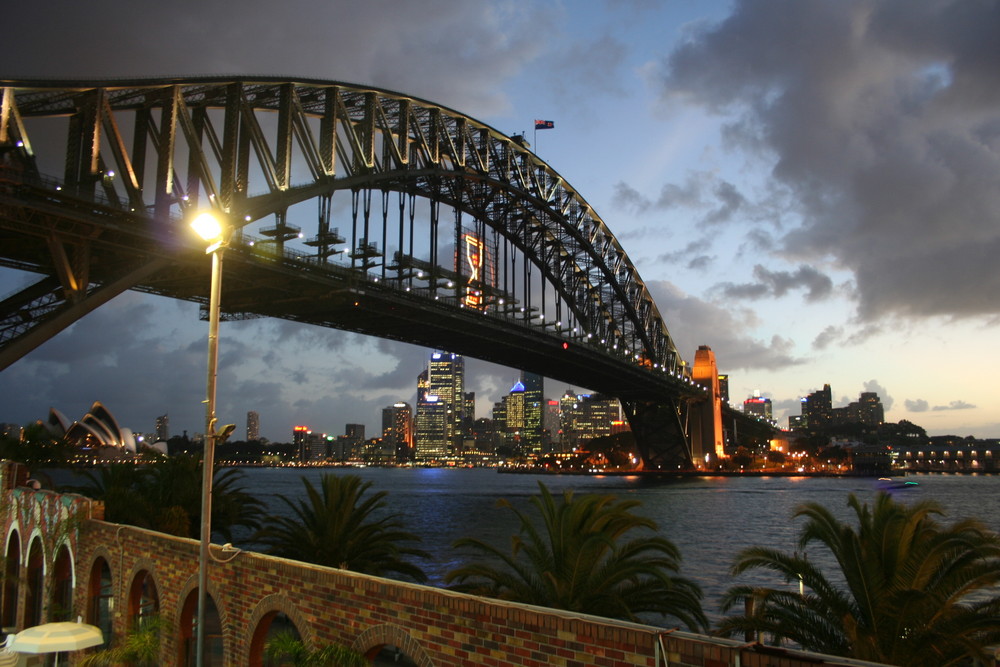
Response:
column 166, row 496
column 37, row 448
column 907, row 590
column 287, row 647
column 140, row 647
column 583, row 557
column 338, row 525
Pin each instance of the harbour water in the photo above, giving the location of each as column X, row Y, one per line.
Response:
column 710, row 519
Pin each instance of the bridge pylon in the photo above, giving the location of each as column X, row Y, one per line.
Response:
column 705, row 415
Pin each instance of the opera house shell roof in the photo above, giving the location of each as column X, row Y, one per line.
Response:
column 98, row 428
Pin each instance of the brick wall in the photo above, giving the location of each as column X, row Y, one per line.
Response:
column 434, row 627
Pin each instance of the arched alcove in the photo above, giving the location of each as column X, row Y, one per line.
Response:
column 270, row 626
column 34, row 582
column 143, row 597
column 11, row 581
column 100, row 598
column 188, row 632
column 61, row 599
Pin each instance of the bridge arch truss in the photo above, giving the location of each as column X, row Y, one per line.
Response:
column 437, row 204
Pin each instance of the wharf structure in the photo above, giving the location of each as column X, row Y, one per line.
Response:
column 63, row 561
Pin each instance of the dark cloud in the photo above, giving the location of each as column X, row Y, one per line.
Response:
column 827, row 337
column 954, row 405
column 138, row 366
column 731, row 201
column 398, row 46
column 864, row 333
column 688, row 195
column 692, row 254
column 700, row 262
column 882, row 120
column 920, row 405
column 721, row 328
column 629, row 199
column 777, row 284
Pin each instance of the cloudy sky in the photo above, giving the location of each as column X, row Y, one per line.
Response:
column 810, row 187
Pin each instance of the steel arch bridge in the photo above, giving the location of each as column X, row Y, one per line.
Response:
column 421, row 224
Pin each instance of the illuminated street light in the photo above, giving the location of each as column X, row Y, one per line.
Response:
column 209, row 228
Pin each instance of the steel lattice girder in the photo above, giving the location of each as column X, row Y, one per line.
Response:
column 205, row 137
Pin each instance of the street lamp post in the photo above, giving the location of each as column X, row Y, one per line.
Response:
column 210, row 229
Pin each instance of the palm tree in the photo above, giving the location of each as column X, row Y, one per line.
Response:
column 338, row 526
column 122, row 488
column 907, row 591
column 584, row 559
column 139, row 647
column 166, row 496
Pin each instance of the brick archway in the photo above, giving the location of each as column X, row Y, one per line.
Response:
column 374, row 638
column 260, row 622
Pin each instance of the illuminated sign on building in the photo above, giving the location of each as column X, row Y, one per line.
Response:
column 474, row 257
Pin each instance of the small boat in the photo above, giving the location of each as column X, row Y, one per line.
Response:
column 890, row 484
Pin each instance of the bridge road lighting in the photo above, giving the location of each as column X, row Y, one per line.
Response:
column 209, row 228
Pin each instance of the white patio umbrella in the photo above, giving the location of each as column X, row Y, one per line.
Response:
column 56, row 638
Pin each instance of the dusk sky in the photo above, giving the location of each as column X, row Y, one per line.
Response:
column 810, row 187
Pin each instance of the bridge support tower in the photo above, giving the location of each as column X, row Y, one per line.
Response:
column 706, row 415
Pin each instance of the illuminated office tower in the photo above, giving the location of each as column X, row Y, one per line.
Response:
column 550, row 421
column 446, row 379
column 430, row 431
column 253, row 426
column 397, row 430
column 533, row 384
column 423, row 385
column 724, row 388
column 500, row 415
column 469, row 421
column 300, row 438
column 514, row 411
column 758, row 406
column 354, row 439
column 587, row 416
column 162, row 428
column 567, row 425
column 817, row 408
column 870, row 410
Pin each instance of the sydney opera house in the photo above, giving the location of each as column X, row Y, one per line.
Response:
column 97, row 430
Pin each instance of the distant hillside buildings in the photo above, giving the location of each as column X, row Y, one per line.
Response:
column 818, row 413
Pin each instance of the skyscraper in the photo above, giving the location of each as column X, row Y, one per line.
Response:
column 817, row 408
column 533, row 389
column 441, row 410
column 758, row 406
column 253, row 426
column 162, row 428
column 300, row 438
column 397, row 430
column 587, row 416
column 550, row 421
column 429, row 431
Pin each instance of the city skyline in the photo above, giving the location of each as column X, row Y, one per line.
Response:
column 811, row 189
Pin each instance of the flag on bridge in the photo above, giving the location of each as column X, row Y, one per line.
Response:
column 544, row 124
